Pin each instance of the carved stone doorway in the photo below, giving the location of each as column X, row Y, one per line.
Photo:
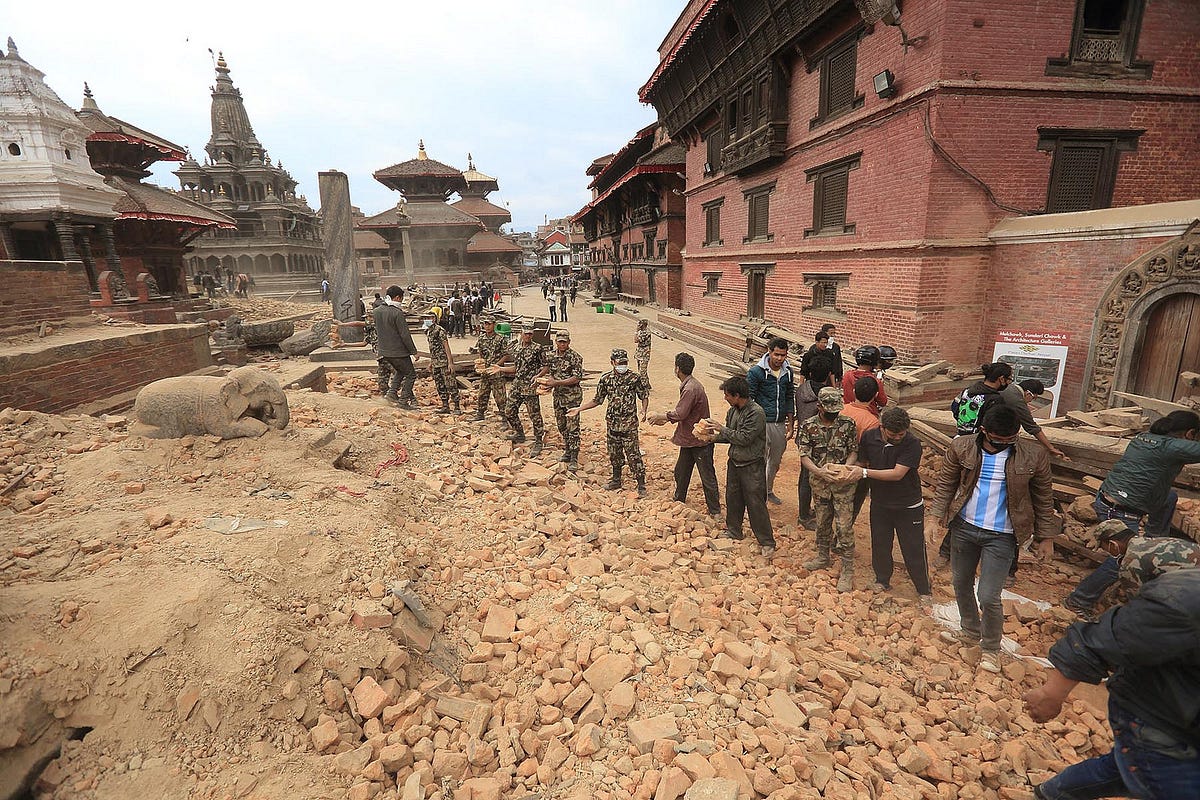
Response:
column 1147, row 326
column 1170, row 345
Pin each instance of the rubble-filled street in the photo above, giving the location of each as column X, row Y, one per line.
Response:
column 378, row 603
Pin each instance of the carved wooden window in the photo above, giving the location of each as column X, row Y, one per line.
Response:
column 758, row 213
column 712, row 222
column 712, row 282
column 1083, row 173
column 831, row 190
column 662, row 248
column 1104, row 41
column 838, row 64
column 649, row 244
column 714, row 140
column 825, row 294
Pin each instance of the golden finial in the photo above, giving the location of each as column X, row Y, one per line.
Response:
column 421, row 154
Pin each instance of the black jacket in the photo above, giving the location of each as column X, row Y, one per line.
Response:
column 392, row 329
column 1151, row 646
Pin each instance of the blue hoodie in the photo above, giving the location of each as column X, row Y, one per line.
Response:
column 777, row 396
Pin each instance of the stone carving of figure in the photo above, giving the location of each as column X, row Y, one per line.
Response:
column 1132, row 284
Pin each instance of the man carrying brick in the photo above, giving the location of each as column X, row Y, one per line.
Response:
column 528, row 363
column 566, row 372
column 745, row 431
column 492, row 350
column 622, row 389
column 824, row 440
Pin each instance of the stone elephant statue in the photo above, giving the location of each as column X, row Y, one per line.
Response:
column 247, row 402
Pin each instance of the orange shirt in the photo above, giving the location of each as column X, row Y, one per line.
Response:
column 864, row 420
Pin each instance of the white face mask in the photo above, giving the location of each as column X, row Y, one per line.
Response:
column 622, row 368
column 427, row 324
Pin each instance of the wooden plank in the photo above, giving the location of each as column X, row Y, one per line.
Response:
column 1051, row 423
column 1074, row 548
column 1085, row 418
column 1160, row 407
column 930, row 435
column 927, row 371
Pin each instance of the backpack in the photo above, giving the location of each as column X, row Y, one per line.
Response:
column 968, row 409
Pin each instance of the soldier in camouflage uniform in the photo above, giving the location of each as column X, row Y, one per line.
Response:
column 528, row 362
column 441, row 367
column 622, row 389
column 566, row 371
column 492, row 348
column 641, row 349
column 831, row 438
column 1144, row 558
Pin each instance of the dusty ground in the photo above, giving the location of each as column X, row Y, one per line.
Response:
column 210, row 664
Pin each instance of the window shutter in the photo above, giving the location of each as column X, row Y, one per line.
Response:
column 760, row 210
column 833, row 202
column 840, row 82
column 712, row 224
column 1077, row 172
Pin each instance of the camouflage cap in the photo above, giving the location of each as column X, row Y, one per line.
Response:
column 528, row 327
column 1111, row 529
column 562, row 336
column 1149, row 557
column 620, row 355
column 830, row 399
column 488, row 321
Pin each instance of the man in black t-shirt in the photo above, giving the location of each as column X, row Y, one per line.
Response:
column 892, row 455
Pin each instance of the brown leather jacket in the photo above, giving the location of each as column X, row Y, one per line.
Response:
column 1030, row 489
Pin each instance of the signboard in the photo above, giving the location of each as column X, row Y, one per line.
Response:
column 1036, row 354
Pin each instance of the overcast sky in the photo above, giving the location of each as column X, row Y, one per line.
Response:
column 534, row 90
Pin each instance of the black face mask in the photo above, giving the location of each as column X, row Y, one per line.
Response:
column 829, row 416
column 999, row 447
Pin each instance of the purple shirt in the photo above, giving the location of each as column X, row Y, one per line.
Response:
column 691, row 408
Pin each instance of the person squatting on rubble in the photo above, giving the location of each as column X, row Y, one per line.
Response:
column 528, row 363
column 641, row 349
column 622, row 389
column 890, row 456
column 693, row 452
column 745, row 431
column 994, row 493
column 492, row 350
column 773, row 388
column 441, row 364
column 566, row 373
column 1139, row 485
column 1148, row 650
column 826, row 439
column 396, row 349
column 818, row 372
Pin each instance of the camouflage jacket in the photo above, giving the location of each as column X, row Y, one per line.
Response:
column 369, row 334
column 641, row 345
column 564, row 367
column 437, row 346
column 826, row 445
column 528, row 360
column 622, row 391
column 492, row 348
column 1149, row 557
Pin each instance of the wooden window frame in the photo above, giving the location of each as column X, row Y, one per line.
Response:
column 839, row 281
column 712, row 283
column 709, row 208
column 819, row 177
column 759, row 193
column 714, row 143
column 752, row 270
column 1071, row 65
column 1114, row 142
column 662, row 249
column 823, row 60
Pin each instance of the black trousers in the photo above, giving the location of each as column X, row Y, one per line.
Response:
column 702, row 459
column 908, row 526
column 804, row 494
column 746, row 495
column 404, row 375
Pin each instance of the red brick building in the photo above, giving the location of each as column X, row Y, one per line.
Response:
column 634, row 225
column 868, row 169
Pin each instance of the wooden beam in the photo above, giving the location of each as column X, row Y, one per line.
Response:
column 1160, row 407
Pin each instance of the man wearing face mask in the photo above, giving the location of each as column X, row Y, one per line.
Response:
column 831, row 438
column 622, row 389
column 994, row 492
column 566, row 371
column 528, row 363
column 441, row 364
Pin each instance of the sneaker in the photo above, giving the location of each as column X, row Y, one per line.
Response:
column 958, row 637
column 1079, row 609
column 990, row 661
column 728, row 534
column 768, row 551
column 773, row 498
column 880, row 587
column 391, row 397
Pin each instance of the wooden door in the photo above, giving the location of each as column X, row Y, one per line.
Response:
column 1170, row 345
column 756, row 294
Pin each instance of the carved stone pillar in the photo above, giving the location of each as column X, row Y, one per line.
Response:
column 120, row 289
column 66, row 239
column 89, row 260
column 6, row 240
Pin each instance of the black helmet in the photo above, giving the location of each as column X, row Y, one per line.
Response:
column 887, row 355
column 867, row 354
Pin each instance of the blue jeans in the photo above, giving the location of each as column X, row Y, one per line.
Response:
column 991, row 553
column 1142, row 763
column 1089, row 591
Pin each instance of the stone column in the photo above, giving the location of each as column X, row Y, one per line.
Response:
column 120, row 289
column 409, row 273
column 66, row 239
column 344, row 286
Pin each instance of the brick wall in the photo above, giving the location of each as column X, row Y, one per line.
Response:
column 56, row 378
column 38, row 290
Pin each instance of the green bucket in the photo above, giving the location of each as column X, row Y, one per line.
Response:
column 609, row 308
column 503, row 328
column 599, row 308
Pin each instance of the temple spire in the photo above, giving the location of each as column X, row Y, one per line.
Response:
column 12, row 50
column 470, row 162
column 421, row 154
column 89, row 103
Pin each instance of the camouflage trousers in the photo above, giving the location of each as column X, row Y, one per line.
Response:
column 644, row 370
column 531, row 402
column 490, row 386
column 447, row 386
column 385, row 376
column 568, row 427
column 835, row 521
column 624, row 447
